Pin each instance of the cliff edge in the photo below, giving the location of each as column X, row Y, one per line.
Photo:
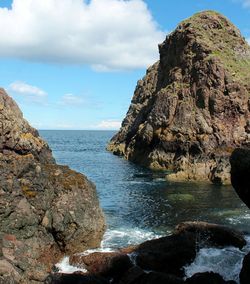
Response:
column 192, row 108
column 46, row 210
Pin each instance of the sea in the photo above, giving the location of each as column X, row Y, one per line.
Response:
column 140, row 204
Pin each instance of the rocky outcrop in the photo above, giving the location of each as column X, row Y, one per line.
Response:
column 156, row 261
column 46, row 210
column 245, row 270
column 192, row 108
column 240, row 173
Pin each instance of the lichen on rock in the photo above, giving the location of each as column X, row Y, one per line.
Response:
column 46, row 210
column 192, row 108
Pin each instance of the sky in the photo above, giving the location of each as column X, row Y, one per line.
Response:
column 74, row 64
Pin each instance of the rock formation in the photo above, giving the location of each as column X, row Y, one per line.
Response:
column 46, row 210
column 240, row 173
column 156, row 261
column 192, row 108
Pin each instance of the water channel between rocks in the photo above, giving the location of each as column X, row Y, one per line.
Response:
column 140, row 204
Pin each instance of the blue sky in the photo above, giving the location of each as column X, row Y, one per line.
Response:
column 74, row 64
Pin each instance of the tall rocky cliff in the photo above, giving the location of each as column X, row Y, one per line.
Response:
column 46, row 210
column 192, row 108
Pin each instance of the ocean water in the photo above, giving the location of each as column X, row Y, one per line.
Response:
column 140, row 204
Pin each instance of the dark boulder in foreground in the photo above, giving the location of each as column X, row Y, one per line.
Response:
column 168, row 254
column 113, row 264
column 161, row 260
column 192, row 107
column 46, row 210
column 212, row 235
column 74, row 279
column 207, row 278
column 240, row 173
column 245, row 270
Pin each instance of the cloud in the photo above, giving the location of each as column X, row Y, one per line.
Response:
column 24, row 88
column 28, row 92
column 246, row 3
column 71, row 100
column 109, row 124
column 105, row 34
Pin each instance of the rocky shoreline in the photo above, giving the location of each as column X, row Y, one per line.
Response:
column 192, row 107
column 163, row 260
column 157, row 261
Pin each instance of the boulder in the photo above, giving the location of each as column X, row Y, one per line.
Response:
column 207, row 278
column 159, row 278
column 212, row 235
column 110, row 265
column 192, row 107
column 240, row 173
column 167, row 254
column 46, row 210
column 74, row 278
column 132, row 276
column 245, row 270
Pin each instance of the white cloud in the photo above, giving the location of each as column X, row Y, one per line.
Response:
column 109, row 124
column 28, row 92
column 105, row 34
column 24, row 88
column 71, row 100
column 246, row 3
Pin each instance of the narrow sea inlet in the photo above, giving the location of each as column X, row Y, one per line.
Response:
column 140, row 204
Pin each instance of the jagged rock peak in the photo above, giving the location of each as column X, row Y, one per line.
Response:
column 46, row 210
column 192, row 108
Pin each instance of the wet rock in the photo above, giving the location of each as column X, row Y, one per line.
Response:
column 132, row 276
column 240, row 173
column 207, row 278
column 159, row 278
column 168, row 254
column 191, row 109
column 74, row 278
column 245, row 270
column 212, row 234
column 112, row 265
column 46, row 210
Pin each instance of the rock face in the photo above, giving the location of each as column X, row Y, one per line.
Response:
column 192, row 107
column 240, row 173
column 46, row 210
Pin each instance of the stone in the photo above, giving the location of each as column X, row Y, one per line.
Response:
column 240, row 173
column 167, row 254
column 110, row 265
column 245, row 270
column 74, row 278
column 46, row 210
column 207, row 278
column 132, row 275
column 212, row 235
column 159, row 278
column 192, row 107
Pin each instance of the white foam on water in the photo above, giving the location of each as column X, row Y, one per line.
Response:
column 64, row 266
column 239, row 219
column 126, row 237
column 227, row 261
column 112, row 240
